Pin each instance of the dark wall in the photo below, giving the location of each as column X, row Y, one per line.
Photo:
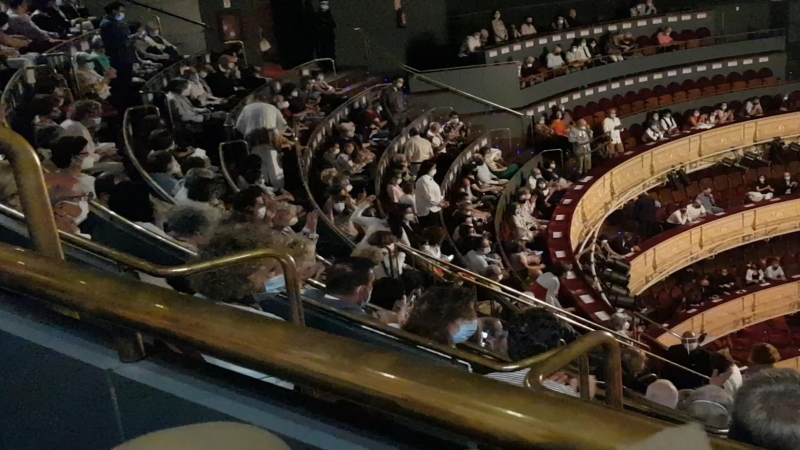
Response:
column 420, row 43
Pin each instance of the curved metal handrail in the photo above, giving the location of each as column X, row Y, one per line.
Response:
column 348, row 368
column 68, row 43
column 127, row 130
column 152, row 85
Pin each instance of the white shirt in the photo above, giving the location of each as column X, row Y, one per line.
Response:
column 584, row 53
column 470, row 45
column 772, row 273
column 485, row 175
column 435, row 139
column 609, row 127
column 573, row 56
column 428, row 196
column 554, row 61
column 527, row 29
column 477, row 262
column 259, row 115
column 373, row 224
column 418, row 149
column 695, row 213
column 733, row 382
column 678, row 218
column 653, row 135
column 668, row 124
column 756, row 275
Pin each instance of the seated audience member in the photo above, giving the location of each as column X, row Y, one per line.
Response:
column 47, row 17
column 159, row 42
column 514, row 33
column 191, row 225
column 389, row 294
column 774, row 271
column 752, row 108
column 542, row 133
column 471, row 45
column 612, row 127
column 84, row 117
column 698, row 121
column 664, row 37
column 248, row 283
column 434, row 136
column 668, row 124
column 446, row 316
column 695, row 211
column 763, row 356
column 531, row 332
column 653, row 133
column 644, row 9
column 623, row 244
column 499, row 28
column 707, row 290
column 761, row 190
column 98, row 53
column 164, row 170
column 559, row 24
column 478, row 258
column 493, row 159
column 89, row 81
column 199, row 90
column 187, row 117
column 555, row 60
column 709, row 405
column 754, row 274
column 787, row 185
column 528, row 71
column 765, row 412
column 526, row 264
column 400, row 221
column 614, row 47
column 663, row 392
column 548, row 284
column 679, row 217
column 572, row 19
column 21, row 24
column 223, row 80
column 527, row 28
column 143, row 48
column 706, row 199
column 69, row 189
column 559, row 125
column 728, row 375
column 432, row 238
column 725, row 281
column 484, row 174
column 574, row 56
column 380, row 249
column 722, row 115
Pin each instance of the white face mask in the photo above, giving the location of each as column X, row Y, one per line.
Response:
column 552, row 166
column 262, row 212
column 338, row 207
column 613, row 115
column 655, row 116
column 284, row 105
column 59, row 3
column 787, row 178
column 295, row 94
column 696, row 114
column 349, row 188
column 627, row 326
column 203, row 74
column 691, row 346
column 5, row 27
column 324, row 7
column 762, row 179
column 487, row 250
column 723, row 107
column 97, row 121
column 408, row 217
column 500, row 277
column 120, row 17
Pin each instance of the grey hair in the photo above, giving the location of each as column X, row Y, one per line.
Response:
column 766, row 412
column 710, row 405
column 663, row 392
column 187, row 221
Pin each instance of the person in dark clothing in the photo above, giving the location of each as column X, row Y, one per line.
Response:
column 394, row 106
column 47, row 17
column 325, row 26
column 222, row 81
column 708, row 290
column 688, row 354
column 121, row 53
column 623, row 244
column 644, row 211
column 725, row 281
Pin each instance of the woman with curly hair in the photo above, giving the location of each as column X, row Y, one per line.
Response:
column 446, row 316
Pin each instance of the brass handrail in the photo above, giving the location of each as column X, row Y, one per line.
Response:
column 32, row 193
column 224, row 166
column 576, row 350
column 502, row 414
column 68, row 43
column 127, row 128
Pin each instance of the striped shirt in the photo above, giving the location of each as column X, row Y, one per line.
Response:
column 518, row 379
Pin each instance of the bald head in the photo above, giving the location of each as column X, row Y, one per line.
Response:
column 663, row 392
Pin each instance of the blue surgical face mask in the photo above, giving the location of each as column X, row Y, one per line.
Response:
column 120, row 17
column 275, row 285
column 465, row 331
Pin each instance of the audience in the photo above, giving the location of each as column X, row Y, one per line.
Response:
column 765, row 412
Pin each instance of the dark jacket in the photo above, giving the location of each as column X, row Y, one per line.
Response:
column 221, row 84
column 117, row 41
column 644, row 210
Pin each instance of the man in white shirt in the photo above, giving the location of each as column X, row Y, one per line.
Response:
column 679, row 217
column 574, row 56
column 753, row 108
column 581, row 138
column 471, row 45
column 695, row 211
column 527, row 28
column 417, row 149
column 668, row 124
column 478, row 259
column 428, row 195
column 584, row 54
column 554, row 58
column 258, row 114
column 775, row 272
column 612, row 127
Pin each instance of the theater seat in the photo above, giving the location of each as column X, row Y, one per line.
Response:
column 694, row 94
column 769, row 81
column 637, row 106
column 665, row 99
column 723, row 88
column 679, row 97
column 709, row 91
column 754, row 83
column 739, row 86
column 651, row 103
